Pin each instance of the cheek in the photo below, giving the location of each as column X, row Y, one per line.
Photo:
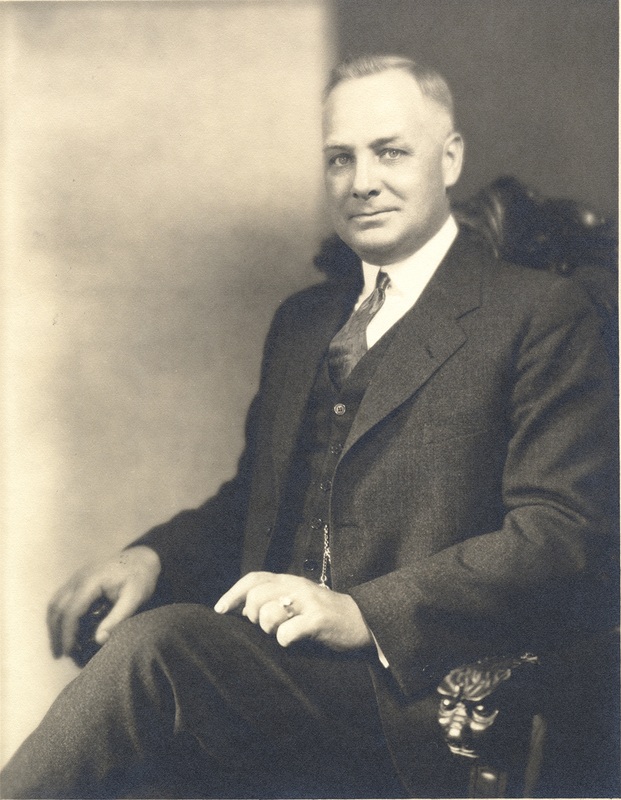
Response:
column 424, row 194
column 413, row 185
column 435, row 176
column 336, row 188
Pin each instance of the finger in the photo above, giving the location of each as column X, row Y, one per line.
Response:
column 281, row 587
column 54, row 613
column 75, row 608
column 264, row 593
column 235, row 597
column 272, row 615
column 130, row 598
column 302, row 626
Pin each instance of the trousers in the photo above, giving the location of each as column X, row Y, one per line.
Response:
column 183, row 702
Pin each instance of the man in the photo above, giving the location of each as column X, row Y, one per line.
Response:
column 425, row 482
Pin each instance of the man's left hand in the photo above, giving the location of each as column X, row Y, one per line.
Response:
column 295, row 608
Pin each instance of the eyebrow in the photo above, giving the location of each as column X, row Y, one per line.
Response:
column 385, row 140
column 381, row 142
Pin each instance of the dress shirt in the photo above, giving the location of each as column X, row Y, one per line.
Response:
column 408, row 279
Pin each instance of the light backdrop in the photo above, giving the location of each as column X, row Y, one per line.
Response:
column 163, row 194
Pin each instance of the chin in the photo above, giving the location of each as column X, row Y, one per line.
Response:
column 372, row 249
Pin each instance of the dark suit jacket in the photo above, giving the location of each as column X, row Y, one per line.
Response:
column 471, row 504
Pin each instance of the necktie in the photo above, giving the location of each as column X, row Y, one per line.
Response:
column 350, row 343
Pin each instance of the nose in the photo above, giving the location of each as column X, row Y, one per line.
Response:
column 458, row 723
column 365, row 180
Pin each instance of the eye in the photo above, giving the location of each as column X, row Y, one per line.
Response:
column 340, row 160
column 391, row 154
column 448, row 704
column 482, row 712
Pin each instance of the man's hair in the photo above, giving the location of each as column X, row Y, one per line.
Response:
column 430, row 82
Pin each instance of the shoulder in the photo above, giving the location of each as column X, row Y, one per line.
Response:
column 517, row 289
column 523, row 287
column 315, row 301
column 543, row 317
column 308, row 298
column 520, row 307
column 527, row 287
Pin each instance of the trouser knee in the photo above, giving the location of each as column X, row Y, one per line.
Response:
column 159, row 631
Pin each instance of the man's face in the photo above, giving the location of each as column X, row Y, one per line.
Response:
column 390, row 154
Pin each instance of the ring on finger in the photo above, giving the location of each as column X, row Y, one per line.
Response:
column 286, row 603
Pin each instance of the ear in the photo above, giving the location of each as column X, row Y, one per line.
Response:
column 452, row 158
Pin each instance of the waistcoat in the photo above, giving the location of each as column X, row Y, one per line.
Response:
column 302, row 531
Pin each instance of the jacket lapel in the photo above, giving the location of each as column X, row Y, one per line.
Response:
column 428, row 335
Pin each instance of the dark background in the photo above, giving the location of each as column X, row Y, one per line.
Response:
column 535, row 83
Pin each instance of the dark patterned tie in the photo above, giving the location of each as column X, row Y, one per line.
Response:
column 350, row 343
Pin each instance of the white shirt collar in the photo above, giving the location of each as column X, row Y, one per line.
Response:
column 409, row 277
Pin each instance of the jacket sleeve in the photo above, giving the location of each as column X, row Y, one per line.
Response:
column 540, row 579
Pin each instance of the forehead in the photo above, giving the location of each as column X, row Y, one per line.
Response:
column 379, row 106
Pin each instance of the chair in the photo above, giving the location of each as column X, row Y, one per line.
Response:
column 525, row 725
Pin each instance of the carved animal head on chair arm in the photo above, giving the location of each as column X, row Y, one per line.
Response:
column 484, row 705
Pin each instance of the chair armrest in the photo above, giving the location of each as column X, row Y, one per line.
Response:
column 491, row 714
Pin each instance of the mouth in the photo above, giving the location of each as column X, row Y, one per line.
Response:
column 462, row 751
column 371, row 214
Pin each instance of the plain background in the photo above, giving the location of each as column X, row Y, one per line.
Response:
column 162, row 195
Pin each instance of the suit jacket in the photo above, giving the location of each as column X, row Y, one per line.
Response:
column 472, row 503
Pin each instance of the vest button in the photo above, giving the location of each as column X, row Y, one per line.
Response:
column 269, row 530
column 339, row 409
column 310, row 565
column 316, row 523
column 325, row 486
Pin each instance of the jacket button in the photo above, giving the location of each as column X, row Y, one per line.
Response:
column 269, row 530
column 339, row 409
column 316, row 523
column 335, row 449
column 310, row 565
column 325, row 486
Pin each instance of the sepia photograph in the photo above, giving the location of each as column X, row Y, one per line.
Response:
column 310, row 379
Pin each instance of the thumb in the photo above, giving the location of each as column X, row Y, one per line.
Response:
column 128, row 601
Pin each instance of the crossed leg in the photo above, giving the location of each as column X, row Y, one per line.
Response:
column 184, row 702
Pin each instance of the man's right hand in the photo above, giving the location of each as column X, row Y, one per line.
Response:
column 128, row 580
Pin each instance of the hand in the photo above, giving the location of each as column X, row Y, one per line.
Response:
column 128, row 579
column 314, row 612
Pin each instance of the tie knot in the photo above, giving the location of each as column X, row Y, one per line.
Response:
column 383, row 279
